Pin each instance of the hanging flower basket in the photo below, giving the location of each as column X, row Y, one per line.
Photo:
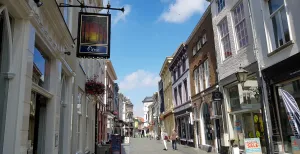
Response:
column 94, row 87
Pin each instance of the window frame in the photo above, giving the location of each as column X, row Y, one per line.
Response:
column 201, row 77
column 274, row 14
column 238, row 23
column 223, row 37
column 206, row 74
column 175, row 94
column 194, row 50
column 218, row 6
column 180, row 92
column 196, row 80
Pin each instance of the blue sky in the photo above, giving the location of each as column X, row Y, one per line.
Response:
column 143, row 36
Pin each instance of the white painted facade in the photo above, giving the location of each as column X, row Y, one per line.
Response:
column 45, row 28
column 146, row 109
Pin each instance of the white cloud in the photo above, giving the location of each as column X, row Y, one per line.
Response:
column 182, row 10
column 122, row 16
column 139, row 79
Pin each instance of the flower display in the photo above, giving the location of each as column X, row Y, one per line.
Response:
column 94, row 87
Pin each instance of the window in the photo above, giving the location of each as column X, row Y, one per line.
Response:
column 201, row 78
column 204, row 39
column 186, row 90
column 224, row 33
column 279, row 22
column 66, row 12
column 220, row 4
column 178, row 71
column 194, row 50
column 174, row 75
column 240, row 26
column 175, row 96
column 206, row 74
column 183, row 64
column 180, row 93
column 196, row 81
column 199, row 43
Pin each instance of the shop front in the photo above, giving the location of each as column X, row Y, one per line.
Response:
column 286, row 76
column 245, row 114
column 184, row 125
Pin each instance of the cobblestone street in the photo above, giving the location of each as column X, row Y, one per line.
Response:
column 146, row 146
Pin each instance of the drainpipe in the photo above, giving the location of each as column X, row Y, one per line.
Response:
column 263, row 99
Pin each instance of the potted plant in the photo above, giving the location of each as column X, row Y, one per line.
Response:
column 94, row 87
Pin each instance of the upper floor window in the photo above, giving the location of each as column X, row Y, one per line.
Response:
column 220, row 4
column 204, row 39
column 174, row 75
column 178, row 71
column 180, row 92
column 196, row 81
column 175, row 96
column 194, row 50
column 206, row 73
column 183, row 64
column 279, row 22
column 240, row 25
column 224, row 33
column 201, row 77
column 199, row 44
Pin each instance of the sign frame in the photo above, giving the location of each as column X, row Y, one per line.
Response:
column 86, row 54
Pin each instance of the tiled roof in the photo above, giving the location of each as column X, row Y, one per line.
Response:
column 148, row 99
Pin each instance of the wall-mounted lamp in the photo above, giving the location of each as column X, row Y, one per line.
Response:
column 241, row 76
column 38, row 3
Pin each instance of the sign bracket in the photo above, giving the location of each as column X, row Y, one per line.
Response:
column 82, row 6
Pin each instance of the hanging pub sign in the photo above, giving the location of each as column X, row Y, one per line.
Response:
column 93, row 40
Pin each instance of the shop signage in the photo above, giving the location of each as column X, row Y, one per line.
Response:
column 252, row 146
column 217, row 96
column 116, row 144
column 93, row 40
column 295, row 147
column 293, row 113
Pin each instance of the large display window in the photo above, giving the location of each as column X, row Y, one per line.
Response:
column 293, row 87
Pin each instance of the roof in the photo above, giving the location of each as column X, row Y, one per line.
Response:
column 165, row 65
column 207, row 11
column 148, row 99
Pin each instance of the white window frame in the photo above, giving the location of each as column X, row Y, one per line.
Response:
column 86, row 133
column 277, row 13
column 239, row 23
column 180, row 93
column 78, row 131
column 199, row 44
column 219, row 9
column 194, row 50
column 196, row 80
column 201, row 77
column 223, row 36
column 206, row 73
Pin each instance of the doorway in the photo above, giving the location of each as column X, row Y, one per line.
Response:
column 37, row 129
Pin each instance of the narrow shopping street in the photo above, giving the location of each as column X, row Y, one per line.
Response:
column 147, row 146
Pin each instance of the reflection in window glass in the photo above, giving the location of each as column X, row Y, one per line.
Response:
column 41, row 71
column 274, row 5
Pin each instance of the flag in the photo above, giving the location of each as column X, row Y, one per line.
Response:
column 293, row 113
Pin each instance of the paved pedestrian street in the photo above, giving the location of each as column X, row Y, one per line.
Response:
column 147, row 146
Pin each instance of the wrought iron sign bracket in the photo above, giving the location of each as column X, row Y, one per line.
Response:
column 82, row 6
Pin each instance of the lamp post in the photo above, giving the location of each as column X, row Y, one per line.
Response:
column 241, row 76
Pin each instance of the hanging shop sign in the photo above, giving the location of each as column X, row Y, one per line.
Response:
column 217, row 96
column 252, row 146
column 93, row 40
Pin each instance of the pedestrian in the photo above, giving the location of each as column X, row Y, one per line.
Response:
column 164, row 137
column 174, row 137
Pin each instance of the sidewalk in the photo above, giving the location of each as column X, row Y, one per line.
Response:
column 191, row 150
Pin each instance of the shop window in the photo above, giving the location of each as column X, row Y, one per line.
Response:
column 279, row 21
column 234, row 98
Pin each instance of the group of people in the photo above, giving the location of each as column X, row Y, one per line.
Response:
column 173, row 138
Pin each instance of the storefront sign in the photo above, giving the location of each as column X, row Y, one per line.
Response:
column 293, row 113
column 238, row 126
column 252, row 146
column 217, row 96
column 295, row 147
column 93, row 40
column 116, row 144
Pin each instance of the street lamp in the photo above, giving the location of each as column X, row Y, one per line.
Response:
column 241, row 76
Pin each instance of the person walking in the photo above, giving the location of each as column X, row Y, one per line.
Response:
column 174, row 137
column 164, row 137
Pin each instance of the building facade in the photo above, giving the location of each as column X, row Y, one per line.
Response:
column 234, row 43
column 167, row 117
column 181, row 100
column 155, row 115
column 146, row 102
column 278, row 54
column 110, row 77
column 129, row 118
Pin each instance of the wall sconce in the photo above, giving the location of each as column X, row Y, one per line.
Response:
column 241, row 76
column 38, row 3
